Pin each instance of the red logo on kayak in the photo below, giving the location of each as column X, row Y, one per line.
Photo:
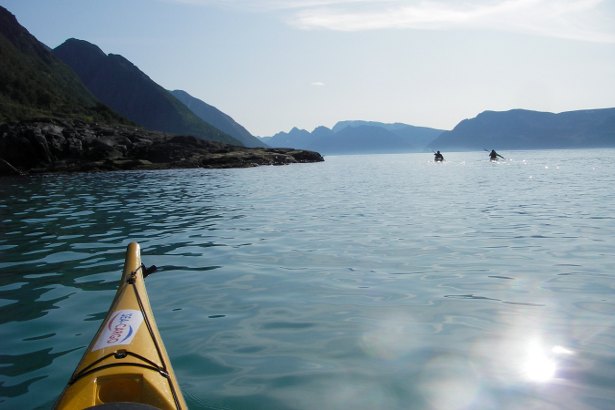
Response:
column 120, row 329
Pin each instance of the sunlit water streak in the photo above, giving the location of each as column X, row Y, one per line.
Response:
column 362, row 282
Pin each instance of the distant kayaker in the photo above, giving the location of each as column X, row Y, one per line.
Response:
column 493, row 156
column 438, row 157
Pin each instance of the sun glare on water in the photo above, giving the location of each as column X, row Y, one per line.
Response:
column 540, row 363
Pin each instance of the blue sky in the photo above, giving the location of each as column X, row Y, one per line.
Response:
column 276, row 64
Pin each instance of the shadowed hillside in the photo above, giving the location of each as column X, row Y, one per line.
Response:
column 34, row 83
column 122, row 86
column 217, row 118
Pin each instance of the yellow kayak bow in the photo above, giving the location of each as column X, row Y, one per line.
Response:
column 126, row 362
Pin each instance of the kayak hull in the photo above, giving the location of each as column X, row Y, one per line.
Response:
column 126, row 362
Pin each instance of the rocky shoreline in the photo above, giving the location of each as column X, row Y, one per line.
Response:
column 42, row 146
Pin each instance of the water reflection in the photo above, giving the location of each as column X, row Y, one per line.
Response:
column 16, row 366
column 523, row 355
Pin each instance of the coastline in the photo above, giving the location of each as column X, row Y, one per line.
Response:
column 52, row 145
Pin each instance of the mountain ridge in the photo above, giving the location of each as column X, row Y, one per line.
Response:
column 121, row 85
column 511, row 129
column 357, row 136
column 35, row 83
column 217, row 118
column 528, row 129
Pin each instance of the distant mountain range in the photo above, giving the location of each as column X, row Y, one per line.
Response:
column 355, row 137
column 513, row 129
column 524, row 129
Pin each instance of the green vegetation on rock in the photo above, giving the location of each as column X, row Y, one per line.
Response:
column 34, row 83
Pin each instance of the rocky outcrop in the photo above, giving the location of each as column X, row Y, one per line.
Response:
column 67, row 146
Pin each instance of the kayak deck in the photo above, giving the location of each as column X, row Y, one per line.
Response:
column 126, row 362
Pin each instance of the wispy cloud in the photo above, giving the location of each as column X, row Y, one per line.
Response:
column 587, row 20
column 317, row 84
column 579, row 20
column 271, row 5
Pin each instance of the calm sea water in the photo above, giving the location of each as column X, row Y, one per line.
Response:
column 364, row 282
